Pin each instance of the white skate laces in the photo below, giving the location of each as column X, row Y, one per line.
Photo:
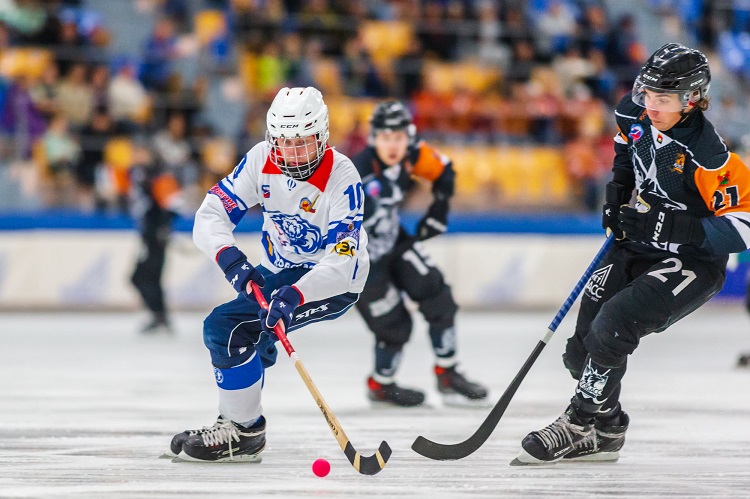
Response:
column 222, row 432
column 556, row 434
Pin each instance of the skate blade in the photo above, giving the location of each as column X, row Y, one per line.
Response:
column 168, row 455
column 526, row 459
column 456, row 400
column 241, row 459
column 597, row 457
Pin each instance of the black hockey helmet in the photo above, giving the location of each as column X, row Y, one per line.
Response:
column 392, row 116
column 674, row 69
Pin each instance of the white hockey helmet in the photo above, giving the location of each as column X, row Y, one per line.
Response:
column 297, row 113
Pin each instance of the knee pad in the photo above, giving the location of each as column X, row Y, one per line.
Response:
column 393, row 328
column 611, row 339
column 439, row 310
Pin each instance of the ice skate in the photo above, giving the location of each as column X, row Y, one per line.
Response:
column 744, row 360
column 158, row 325
column 457, row 391
column 175, row 446
column 225, row 441
column 606, row 446
column 392, row 394
column 552, row 443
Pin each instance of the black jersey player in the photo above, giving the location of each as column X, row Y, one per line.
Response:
column 692, row 210
column 389, row 165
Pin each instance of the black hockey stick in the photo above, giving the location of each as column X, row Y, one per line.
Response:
column 446, row 452
column 367, row 465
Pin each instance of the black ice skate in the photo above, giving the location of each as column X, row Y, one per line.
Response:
column 393, row 394
column 552, row 443
column 458, row 391
column 175, row 446
column 606, row 446
column 744, row 360
column 158, row 325
column 225, row 441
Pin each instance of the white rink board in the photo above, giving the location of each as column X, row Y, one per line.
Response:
column 87, row 405
column 91, row 269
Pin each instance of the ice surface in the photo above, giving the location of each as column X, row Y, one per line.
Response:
column 87, row 405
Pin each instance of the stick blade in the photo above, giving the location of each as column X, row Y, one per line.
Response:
column 369, row 465
column 442, row 452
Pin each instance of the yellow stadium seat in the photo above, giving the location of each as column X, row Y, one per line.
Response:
column 24, row 61
column 118, row 153
column 208, row 24
column 386, row 40
column 327, row 76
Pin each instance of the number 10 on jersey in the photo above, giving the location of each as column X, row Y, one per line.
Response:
column 356, row 195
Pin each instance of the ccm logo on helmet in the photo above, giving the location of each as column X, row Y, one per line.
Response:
column 287, row 126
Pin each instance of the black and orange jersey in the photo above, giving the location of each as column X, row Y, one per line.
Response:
column 691, row 168
column 386, row 187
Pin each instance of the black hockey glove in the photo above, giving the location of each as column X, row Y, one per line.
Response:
column 660, row 223
column 435, row 221
column 238, row 271
column 283, row 302
column 616, row 195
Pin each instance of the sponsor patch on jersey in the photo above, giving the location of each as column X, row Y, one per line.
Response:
column 723, row 177
column 659, row 138
column 291, row 184
column 307, row 205
column 595, row 286
column 266, row 190
column 679, row 162
column 343, row 248
column 352, row 233
column 373, row 187
column 226, row 200
column 636, row 132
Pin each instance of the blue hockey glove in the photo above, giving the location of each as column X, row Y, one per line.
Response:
column 435, row 221
column 283, row 303
column 660, row 223
column 238, row 271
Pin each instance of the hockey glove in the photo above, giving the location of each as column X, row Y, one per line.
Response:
column 435, row 221
column 616, row 195
column 283, row 302
column 660, row 223
column 238, row 271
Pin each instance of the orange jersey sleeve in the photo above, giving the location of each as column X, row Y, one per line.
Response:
column 725, row 189
column 165, row 189
column 430, row 164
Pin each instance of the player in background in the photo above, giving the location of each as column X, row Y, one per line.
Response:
column 155, row 200
column 313, row 266
column 692, row 211
column 389, row 165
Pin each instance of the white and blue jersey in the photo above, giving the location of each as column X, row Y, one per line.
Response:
column 315, row 224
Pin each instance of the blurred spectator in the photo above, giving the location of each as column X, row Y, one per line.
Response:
column 271, row 70
column 69, row 48
column 408, row 69
column 61, row 154
column 21, row 121
column 99, row 84
column 556, row 28
column 127, row 97
column 173, row 151
column 299, row 71
column 93, row 139
column 433, row 35
column 76, row 97
column 44, row 92
column 355, row 140
column 158, row 55
column 360, row 76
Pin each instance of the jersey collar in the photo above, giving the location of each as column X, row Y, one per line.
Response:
column 320, row 176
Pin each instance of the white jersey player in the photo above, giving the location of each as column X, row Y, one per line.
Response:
column 314, row 263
